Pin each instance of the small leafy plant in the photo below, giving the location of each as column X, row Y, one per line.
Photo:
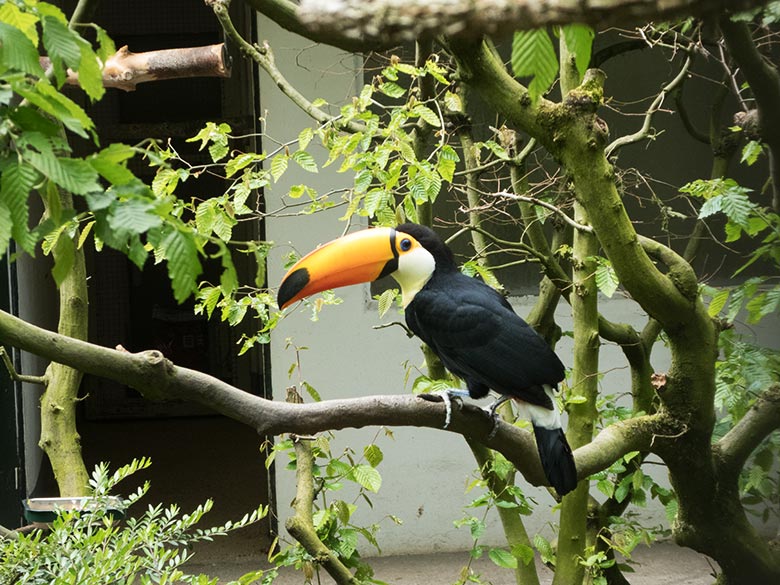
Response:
column 96, row 547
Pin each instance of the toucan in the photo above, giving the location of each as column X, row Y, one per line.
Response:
column 470, row 326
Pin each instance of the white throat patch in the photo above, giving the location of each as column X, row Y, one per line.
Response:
column 415, row 268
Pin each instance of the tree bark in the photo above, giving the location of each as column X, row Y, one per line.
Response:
column 159, row 379
column 60, row 439
column 388, row 22
column 125, row 69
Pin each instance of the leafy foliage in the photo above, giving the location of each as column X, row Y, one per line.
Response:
column 95, row 547
column 333, row 516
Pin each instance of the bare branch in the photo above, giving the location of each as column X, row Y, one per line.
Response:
column 263, row 56
column 548, row 206
column 392, row 21
column 764, row 80
column 17, row 377
column 125, row 69
column 644, row 131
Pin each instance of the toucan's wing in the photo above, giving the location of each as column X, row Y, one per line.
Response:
column 479, row 337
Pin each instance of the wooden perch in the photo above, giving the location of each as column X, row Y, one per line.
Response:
column 125, row 69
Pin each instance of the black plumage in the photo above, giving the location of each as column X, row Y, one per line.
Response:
column 480, row 339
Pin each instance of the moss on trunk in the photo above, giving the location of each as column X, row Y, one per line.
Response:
column 60, row 439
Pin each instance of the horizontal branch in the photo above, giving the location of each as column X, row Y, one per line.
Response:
column 384, row 22
column 125, row 69
column 157, row 378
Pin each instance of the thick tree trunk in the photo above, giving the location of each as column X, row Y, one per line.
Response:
column 60, row 439
column 710, row 516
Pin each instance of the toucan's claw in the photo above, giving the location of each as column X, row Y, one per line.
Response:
column 492, row 411
column 446, row 397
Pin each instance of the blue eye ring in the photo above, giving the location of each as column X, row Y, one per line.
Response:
column 406, row 245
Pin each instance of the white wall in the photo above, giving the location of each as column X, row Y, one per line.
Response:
column 425, row 472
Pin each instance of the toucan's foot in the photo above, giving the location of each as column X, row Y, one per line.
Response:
column 492, row 411
column 446, row 397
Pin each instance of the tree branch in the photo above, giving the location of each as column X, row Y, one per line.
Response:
column 386, row 22
column 16, row 376
column 301, row 524
column 125, row 69
column 159, row 379
column 764, row 80
column 644, row 131
column 263, row 56
column 763, row 418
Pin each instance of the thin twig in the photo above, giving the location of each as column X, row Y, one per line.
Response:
column 644, row 131
column 17, row 377
column 550, row 206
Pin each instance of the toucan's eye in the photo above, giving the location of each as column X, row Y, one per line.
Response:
column 406, row 244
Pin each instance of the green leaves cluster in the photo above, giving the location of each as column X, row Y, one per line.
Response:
column 759, row 295
column 390, row 181
column 534, row 56
column 333, row 517
column 34, row 152
column 95, row 547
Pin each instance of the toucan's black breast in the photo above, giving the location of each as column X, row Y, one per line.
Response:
column 479, row 338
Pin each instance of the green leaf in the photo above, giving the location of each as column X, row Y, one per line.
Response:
column 18, row 52
column 453, row 102
column 45, row 96
column 533, row 55
column 134, row 216
column 305, row 161
column 279, row 165
column 304, row 138
column 545, row 549
column 718, row 302
column 24, row 21
column 427, row 114
column 502, row 558
column 64, row 257
column 523, row 553
column 106, row 47
column 751, row 151
column 385, row 301
column 6, row 227
column 368, row 477
column 183, row 264
column 61, row 45
column 109, row 163
column 90, row 72
column 373, row 454
column 579, row 41
column 16, row 183
column 392, row 89
column 606, row 278
column 72, row 174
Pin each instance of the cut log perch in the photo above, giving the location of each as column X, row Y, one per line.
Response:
column 125, row 69
column 385, row 22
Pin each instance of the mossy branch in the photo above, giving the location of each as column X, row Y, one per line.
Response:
column 762, row 419
column 158, row 378
column 301, row 524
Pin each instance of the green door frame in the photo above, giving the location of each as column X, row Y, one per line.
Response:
column 11, row 433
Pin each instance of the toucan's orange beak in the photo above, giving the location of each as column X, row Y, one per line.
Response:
column 362, row 256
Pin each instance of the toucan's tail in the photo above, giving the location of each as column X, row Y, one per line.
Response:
column 554, row 450
column 557, row 460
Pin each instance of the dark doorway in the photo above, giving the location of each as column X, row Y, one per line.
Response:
column 196, row 454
